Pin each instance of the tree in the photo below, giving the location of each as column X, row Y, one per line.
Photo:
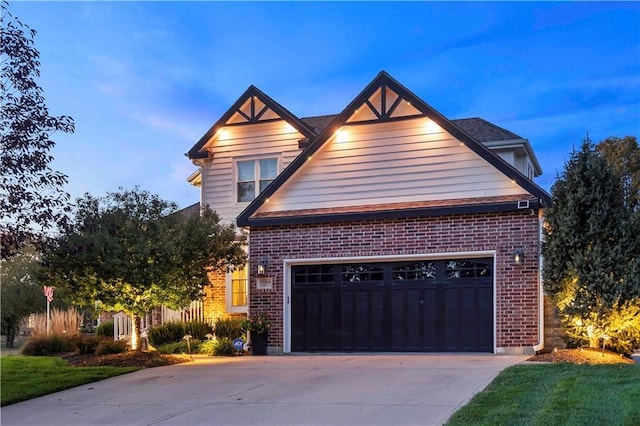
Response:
column 32, row 199
column 130, row 251
column 623, row 156
column 591, row 253
column 21, row 293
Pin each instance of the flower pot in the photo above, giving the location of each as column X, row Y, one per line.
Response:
column 259, row 343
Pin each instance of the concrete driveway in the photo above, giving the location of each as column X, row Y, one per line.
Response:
column 381, row 389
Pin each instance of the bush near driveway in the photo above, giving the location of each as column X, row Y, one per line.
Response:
column 174, row 331
column 557, row 394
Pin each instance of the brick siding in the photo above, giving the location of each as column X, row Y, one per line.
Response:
column 516, row 285
column 214, row 301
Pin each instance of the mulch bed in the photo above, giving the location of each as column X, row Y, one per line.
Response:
column 139, row 359
column 144, row 359
column 582, row 356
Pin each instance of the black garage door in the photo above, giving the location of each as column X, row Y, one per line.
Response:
column 417, row 306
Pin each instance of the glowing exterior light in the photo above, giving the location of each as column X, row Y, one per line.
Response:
column 342, row 135
column 222, row 134
column 431, row 126
column 288, row 128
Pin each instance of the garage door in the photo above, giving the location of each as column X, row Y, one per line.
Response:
column 416, row 306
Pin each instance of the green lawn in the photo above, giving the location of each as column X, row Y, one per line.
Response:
column 557, row 394
column 25, row 377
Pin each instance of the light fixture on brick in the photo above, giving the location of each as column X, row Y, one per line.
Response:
column 262, row 267
column 518, row 256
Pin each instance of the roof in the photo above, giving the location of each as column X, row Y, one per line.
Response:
column 397, row 211
column 189, row 211
column 421, row 108
column 320, row 122
column 484, row 131
column 491, row 135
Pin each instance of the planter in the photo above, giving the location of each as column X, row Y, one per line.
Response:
column 259, row 343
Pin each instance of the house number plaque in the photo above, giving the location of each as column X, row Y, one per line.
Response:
column 264, row 283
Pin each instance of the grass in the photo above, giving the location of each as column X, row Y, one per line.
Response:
column 554, row 394
column 28, row 377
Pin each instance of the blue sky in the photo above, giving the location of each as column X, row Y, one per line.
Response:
column 145, row 80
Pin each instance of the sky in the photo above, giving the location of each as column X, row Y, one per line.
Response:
column 145, row 80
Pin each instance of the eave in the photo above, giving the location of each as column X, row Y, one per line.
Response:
column 532, row 205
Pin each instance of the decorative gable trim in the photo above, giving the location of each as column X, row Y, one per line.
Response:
column 252, row 107
column 385, row 109
column 383, row 105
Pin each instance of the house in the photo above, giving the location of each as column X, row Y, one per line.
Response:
column 386, row 227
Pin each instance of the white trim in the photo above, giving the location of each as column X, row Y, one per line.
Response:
column 286, row 277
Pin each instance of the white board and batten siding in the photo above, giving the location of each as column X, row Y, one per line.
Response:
column 394, row 162
column 274, row 139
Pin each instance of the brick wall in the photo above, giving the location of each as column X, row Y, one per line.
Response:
column 516, row 285
column 214, row 301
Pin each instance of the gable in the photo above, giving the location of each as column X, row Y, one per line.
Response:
column 401, row 150
column 252, row 107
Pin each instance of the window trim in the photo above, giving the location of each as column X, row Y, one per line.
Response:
column 256, row 177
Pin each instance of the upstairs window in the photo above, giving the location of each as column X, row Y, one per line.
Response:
column 253, row 176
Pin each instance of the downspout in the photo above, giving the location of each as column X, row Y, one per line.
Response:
column 540, row 345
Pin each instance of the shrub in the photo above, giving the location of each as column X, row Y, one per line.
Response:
column 197, row 329
column 207, row 347
column 169, row 332
column 111, row 347
column 105, row 329
column 48, row 345
column 230, row 328
column 223, row 346
column 180, row 347
column 86, row 345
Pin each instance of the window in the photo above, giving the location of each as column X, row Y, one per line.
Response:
column 357, row 273
column 253, row 176
column 237, row 290
column 321, row 274
column 460, row 269
column 415, row 271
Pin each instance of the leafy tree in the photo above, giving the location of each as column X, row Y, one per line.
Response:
column 32, row 199
column 21, row 293
column 591, row 253
column 131, row 252
column 623, row 155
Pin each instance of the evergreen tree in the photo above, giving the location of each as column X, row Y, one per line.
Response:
column 591, row 253
column 623, row 156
